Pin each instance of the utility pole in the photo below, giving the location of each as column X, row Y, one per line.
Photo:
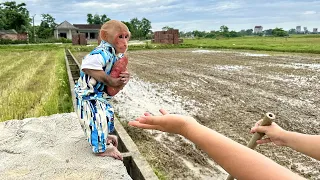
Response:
column 34, row 34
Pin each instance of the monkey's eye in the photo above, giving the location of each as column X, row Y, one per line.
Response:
column 120, row 36
column 127, row 36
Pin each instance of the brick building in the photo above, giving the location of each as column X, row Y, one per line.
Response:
column 170, row 36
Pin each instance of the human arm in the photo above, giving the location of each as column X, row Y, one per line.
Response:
column 304, row 143
column 238, row 160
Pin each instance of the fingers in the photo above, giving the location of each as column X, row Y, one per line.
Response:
column 124, row 80
column 257, row 124
column 261, row 129
column 143, row 125
column 124, row 74
column 117, row 155
column 115, row 143
column 263, row 141
column 164, row 112
column 147, row 114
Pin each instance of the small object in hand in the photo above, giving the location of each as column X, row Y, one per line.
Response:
column 117, row 68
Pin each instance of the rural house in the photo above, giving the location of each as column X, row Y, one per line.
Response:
column 258, row 29
column 66, row 30
column 91, row 30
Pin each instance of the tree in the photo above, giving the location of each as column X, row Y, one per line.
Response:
column 234, row 34
column 166, row 28
column 268, row 32
column 292, row 31
column 199, row 34
column 128, row 24
column 89, row 19
column 47, row 26
column 135, row 24
column 145, row 27
column 14, row 16
column 96, row 19
column 249, row 32
column 140, row 28
column 224, row 29
column 279, row 32
column 104, row 18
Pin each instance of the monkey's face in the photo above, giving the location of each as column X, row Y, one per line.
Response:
column 117, row 34
column 120, row 41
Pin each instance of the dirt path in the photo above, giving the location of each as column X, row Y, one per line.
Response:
column 227, row 91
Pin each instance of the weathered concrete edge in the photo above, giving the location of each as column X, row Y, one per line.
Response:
column 139, row 160
column 74, row 58
column 71, row 83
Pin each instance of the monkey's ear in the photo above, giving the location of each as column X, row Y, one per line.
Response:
column 104, row 35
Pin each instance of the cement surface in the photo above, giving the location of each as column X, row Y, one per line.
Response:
column 52, row 147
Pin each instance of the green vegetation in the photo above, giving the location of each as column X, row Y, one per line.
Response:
column 33, row 82
column 290, row 44
column 295, row 43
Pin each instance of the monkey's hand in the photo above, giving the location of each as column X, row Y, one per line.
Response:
column 119, row 70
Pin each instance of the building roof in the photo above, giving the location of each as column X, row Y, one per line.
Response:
column 66, row 25
column 258, row 27
column 10, row 31
column 88, row 26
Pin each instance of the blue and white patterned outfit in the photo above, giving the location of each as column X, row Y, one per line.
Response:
column 95, row 113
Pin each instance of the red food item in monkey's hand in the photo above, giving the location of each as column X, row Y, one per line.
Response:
column 117, row 68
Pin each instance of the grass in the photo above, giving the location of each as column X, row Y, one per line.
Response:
column 294, row 43
column 297, row 44
column 33, row 82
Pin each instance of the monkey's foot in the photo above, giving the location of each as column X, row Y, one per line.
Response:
column 112, row 152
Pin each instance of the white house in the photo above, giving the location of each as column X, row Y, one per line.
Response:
column 258, row 29
column 298, row 29
column 66, row 30
column 315, row 30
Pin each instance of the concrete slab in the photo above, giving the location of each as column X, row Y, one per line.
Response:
column 52, row 147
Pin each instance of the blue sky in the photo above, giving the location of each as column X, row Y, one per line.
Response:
column 187, row 15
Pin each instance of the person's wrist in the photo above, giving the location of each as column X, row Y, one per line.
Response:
column 286, row 136
column 189, row 124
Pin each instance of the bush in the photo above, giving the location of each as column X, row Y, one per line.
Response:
column 52, row 40
column 9, row 41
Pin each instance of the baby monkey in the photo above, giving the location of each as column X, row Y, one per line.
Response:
column 103, row 74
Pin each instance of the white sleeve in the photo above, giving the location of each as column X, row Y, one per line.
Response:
column 94, row 62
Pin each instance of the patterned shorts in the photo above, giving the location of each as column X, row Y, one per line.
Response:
column 97, row 121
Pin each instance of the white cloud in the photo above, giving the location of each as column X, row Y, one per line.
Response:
column 227, row 5
column 309, row 12
column 96, row 4
column 205, row 25
column 186, row 15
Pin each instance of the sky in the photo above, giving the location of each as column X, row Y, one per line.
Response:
column 186, row 15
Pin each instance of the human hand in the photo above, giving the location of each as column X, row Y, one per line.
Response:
column 170, row 123
column 274, row 133
column 112, row 139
